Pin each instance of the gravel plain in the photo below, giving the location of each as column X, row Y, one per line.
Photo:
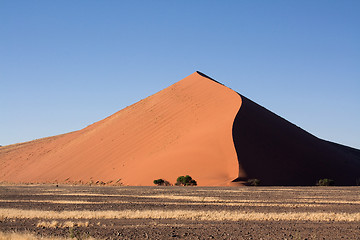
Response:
column 122, row 212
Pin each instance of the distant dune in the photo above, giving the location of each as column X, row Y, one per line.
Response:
column 196, row 127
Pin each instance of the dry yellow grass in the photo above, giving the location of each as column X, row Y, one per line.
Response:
column 25, row 236
column 231, row 203
column 239, row 203
column 302, row 199
column 163, row 196
column 29, row 236
column 326, row 201
column 54, row 201
column 52, row 224
column 77, row 194
column 57, row 224
column 180, row 197
column 182, row 214
column 195, row 200
column 216, row 199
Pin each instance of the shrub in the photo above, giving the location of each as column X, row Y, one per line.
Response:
column 253, row 182
column 185, row 181
column 357, row 182
column 161, row 182
column 325, row 182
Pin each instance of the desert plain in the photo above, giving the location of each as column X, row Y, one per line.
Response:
column 124, row 212
column 95, row 183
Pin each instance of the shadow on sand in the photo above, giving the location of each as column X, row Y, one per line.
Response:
column 277, row 152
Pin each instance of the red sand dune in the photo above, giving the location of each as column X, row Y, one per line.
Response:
column 196, row 127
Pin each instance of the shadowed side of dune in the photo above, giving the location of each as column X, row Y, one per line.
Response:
column 277, row 152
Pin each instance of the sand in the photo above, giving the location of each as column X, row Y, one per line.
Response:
column 195, row 127
column 278, row 152
column 183, row 129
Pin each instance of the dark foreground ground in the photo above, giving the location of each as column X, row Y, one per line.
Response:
column 181, row 212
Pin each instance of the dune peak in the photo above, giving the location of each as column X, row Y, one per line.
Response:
column 206, row 76
column 194, row 127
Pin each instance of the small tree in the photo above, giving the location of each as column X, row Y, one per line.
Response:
column 161, row 182
column 185, row 181
column 325, row 182
column 253, row 182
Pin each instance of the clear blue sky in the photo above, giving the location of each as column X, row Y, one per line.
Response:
column 66, row 64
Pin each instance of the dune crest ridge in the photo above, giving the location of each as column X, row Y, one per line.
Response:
column 183, row 129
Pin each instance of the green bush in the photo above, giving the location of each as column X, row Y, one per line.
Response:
column 253, row 182
column 185, row 181
column 161, row 182
column 325, row 182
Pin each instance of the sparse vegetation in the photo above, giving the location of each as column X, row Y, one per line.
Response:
column 214, row 215
column 75, row 233
column 185, row 181
column 39, row 210
column 325, row 182
column 25, row 236
column 161, row 182
column 253, row 182
column 57, row 224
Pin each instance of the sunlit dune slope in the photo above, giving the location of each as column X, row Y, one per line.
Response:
column 183, row 129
